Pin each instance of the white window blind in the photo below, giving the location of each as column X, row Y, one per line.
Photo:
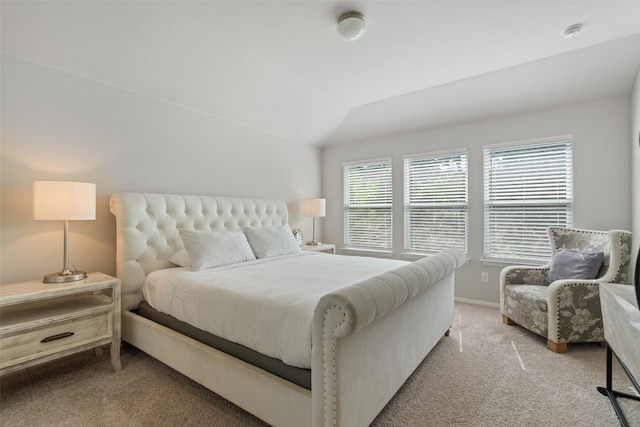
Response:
column 527, row 187
column 436, row 202
column 368, row 204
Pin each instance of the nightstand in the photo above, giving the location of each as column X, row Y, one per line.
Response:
column 40, row 322
column 322, row 247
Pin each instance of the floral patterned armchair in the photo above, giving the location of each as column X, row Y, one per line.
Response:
column 568, row 310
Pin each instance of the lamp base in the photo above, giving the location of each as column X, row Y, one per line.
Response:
column 313, row 243
column 63, row 278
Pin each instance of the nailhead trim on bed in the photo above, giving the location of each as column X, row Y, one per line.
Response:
column 334, row 318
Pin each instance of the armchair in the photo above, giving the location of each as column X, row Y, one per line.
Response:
column 565, row 310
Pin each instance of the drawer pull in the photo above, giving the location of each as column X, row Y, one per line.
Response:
column 57, row 337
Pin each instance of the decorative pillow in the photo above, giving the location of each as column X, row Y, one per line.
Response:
column 208, row 249
column 272, row 241
column 574, row 264
column 181, row 258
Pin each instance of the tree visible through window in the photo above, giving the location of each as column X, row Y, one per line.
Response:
column 435, row 202
column 527, row 188
column 368, row 204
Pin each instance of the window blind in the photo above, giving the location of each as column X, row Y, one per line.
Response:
column 436, row 202
column 527, row 187
column 368, row 204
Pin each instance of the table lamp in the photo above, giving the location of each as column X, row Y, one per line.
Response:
column 314, row 208
column 63, row 200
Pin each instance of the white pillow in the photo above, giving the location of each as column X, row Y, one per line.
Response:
column 181, row 258
column 209, row 249
column 272, row 241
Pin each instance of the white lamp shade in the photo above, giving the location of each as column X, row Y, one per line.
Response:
column 314, row 207
column 64, row 200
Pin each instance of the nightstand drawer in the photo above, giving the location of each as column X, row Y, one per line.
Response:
column 320, row 247
column 57, row 337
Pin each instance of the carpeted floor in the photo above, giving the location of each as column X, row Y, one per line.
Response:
column 484, row 374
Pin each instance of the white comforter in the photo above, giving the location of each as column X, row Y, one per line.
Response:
column 266, row 305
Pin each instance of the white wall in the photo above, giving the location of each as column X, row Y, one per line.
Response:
column 57, row 126
column 602, row 190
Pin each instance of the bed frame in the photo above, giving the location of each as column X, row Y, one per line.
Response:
column 368, row 338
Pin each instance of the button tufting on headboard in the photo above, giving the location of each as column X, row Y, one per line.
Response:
column 147, row 227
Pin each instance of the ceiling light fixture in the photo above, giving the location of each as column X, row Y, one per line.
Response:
column 572, row 31
column 351, row 25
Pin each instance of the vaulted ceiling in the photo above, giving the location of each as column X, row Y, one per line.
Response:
column 281, row 68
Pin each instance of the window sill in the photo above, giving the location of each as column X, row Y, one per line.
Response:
column 509, row 262
column 367, row 252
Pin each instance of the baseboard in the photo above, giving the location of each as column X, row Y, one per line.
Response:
column 477, row 302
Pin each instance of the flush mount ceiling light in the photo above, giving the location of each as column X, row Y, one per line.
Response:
column 351, row 25
column 572, row 31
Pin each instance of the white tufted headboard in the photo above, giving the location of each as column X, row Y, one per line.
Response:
column 147, row 229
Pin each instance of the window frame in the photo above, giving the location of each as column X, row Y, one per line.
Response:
column 386, row 204
column 440, row 209
column 535, row 248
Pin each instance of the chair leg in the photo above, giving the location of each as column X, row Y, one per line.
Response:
column 507, row 321
column 557, row 347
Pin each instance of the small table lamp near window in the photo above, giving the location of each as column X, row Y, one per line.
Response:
column 314, row 208
column 62, row 200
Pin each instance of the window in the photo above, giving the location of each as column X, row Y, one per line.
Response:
column 435, row 202
column 527, row 187
column 367, row 205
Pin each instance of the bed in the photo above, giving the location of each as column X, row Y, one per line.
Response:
column 366, row 337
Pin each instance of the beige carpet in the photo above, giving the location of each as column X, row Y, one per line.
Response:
column 484, row 374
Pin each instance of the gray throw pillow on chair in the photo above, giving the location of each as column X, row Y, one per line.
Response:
column 574, row 264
